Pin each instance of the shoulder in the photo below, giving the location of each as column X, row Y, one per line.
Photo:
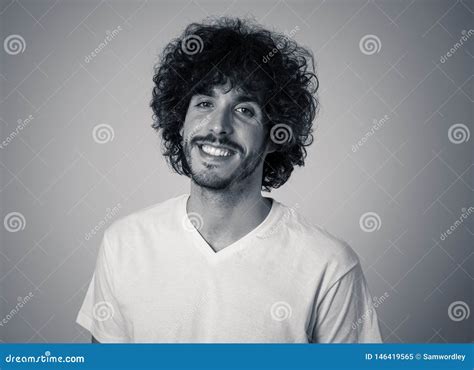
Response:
column 158, row 216
column 322, row 249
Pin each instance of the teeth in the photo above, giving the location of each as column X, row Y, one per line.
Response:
column 218, row 152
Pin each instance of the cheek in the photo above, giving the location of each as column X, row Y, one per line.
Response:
column 186, row 130
column 187, row 124
column 192, row 126
column 254, row 140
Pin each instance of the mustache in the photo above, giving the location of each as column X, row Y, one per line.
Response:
column 212, row 139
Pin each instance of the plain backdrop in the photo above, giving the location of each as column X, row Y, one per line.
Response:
column 391, row 198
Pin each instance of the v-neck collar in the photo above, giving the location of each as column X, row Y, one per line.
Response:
column 236, row 246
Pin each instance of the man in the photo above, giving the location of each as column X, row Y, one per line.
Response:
column 234, row 104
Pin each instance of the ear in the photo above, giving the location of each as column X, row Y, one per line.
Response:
column 271, row 146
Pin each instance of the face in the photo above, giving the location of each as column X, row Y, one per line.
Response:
column 224, row 138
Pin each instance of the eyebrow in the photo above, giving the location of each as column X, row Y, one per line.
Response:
column 241, row 98
column 248, row 98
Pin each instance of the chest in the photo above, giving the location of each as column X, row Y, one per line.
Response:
column 232, row 302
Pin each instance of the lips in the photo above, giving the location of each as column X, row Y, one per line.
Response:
column 216, row 151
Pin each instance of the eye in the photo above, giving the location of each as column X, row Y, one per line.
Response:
column 248, row 112
column 204, row 104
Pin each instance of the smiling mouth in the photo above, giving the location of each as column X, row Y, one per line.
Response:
column 216, row 151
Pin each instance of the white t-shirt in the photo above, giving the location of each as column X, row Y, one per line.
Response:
column 287, row 281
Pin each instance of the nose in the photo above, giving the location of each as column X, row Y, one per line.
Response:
column 221, row 121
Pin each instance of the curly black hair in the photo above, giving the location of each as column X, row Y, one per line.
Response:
column 268, row 65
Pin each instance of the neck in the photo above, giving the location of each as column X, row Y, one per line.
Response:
column 228, row 214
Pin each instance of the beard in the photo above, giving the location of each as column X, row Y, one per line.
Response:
column 210, row 179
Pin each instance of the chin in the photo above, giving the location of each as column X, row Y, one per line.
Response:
column 217, row 176
column 211, row 181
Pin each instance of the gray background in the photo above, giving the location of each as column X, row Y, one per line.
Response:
column 409, row 172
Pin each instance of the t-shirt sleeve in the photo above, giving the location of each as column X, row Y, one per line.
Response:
column 346, row 313
column 100, row 313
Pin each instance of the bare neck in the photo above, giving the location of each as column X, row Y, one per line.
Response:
column 227, row 215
